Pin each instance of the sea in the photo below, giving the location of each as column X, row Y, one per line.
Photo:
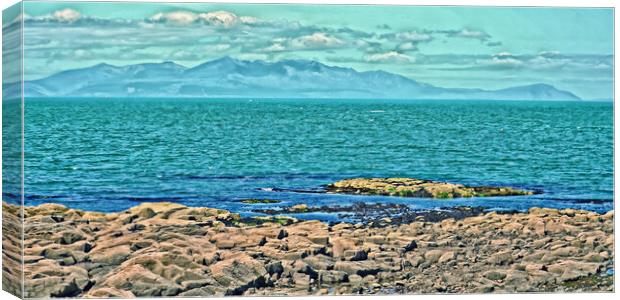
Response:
column 111, row 154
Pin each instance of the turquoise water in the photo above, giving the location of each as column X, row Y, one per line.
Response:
column 108, row 155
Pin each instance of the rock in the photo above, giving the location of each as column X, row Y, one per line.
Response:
column 275, row 268
column 355, row 278
column 573, row 270
column 106, row 292
column 534, row 268
column 146, row 213
column 594, row 257
column 319, row 262
column 512, row 228
column 282, row 234
column 361, row 268
column 376, row 239
column 239, row 273
column 111, row 256
column 410, row 187
column 501, row 258
column 538, row 211
column 301, row 280
column 433, row 256
column 500, row 242
column 299, row 208
column 566, row 251
column 29, row 259
column 70, row 237
column 332, row 277
column 140, row 282
column 540, row 229
column 225, row 244
column 355, row 255
column 446, row 257
column 411, row 246
column 319, row 239
column 340, row 245
column 495, row 275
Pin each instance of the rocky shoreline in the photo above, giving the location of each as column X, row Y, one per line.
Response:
column 166, row 249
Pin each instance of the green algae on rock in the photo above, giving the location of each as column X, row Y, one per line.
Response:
column 418, row 188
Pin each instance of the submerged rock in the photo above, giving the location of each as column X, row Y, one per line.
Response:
column 418, row 188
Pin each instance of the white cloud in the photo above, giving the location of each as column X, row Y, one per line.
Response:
column 220, row 18
column 510, row 61
column 250, row 20
column 83, row 54
column 183, row 55
column 503, row 55
column 408, row 46
column 67, row 15
column 215, row 18
column 175, row 17
column 316, row 40
column 414, row 36
column 549, row 54
column 275, row 47
column 472, row 34
column 390, row 57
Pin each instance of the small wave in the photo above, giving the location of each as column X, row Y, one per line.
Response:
column 377, row 111
column 150, row 199
column 255, row 177
column 306, row 191
column 573, row 200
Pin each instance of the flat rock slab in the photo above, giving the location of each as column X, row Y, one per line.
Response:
column 418, row 188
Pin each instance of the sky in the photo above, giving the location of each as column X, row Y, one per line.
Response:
column 466, row 47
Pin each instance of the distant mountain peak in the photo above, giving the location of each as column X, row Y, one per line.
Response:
column 231, row 77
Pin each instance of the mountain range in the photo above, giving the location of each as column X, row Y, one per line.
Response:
column 231, row 78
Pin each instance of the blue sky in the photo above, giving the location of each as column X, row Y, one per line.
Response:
column 471, row 47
